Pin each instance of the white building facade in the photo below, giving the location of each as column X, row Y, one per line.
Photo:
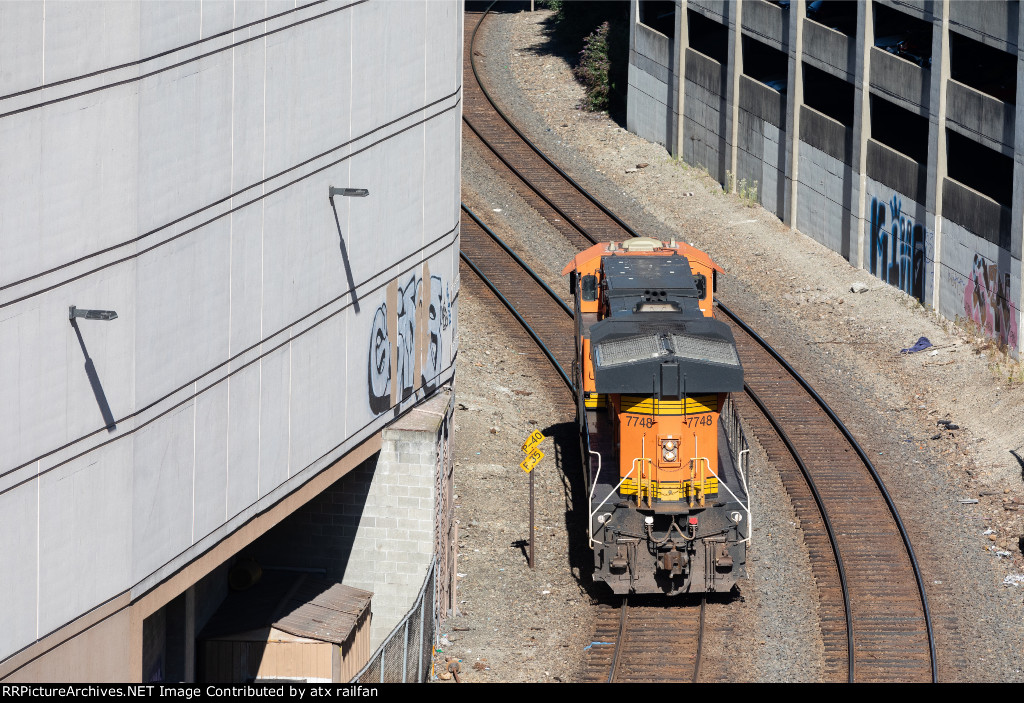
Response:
column 172, row 162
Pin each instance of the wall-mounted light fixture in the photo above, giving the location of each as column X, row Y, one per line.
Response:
column 347, row 192
column 105, row 315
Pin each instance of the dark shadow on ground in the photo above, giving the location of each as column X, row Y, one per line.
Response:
column 1020, row 461
column 564, row 445
column 565, row 31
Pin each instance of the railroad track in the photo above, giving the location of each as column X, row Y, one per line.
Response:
column 631, row 642
column 874, row 616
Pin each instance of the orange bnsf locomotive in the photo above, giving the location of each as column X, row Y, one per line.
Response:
column 668, row 505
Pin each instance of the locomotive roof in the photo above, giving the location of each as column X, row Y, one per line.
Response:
column 633, row 273
column 664, row 354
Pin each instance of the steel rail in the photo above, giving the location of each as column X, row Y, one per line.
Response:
column 526, row 326
column 867, row 463
column 700, row 639
column 529, row 184
column 829, row 530
column 620, row 639
column 583, row 191
column 501, row 242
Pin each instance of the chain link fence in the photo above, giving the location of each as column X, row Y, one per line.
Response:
column 405, row 655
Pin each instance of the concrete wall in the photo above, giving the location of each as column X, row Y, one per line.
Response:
column 762, row 143
column 261, row 333
column 829, row 50
column 980, row 295
column 900, row 82
column 651, row 82
column 981, row 117
column 905, row 221
column 994, row 23
column 901, row 248
column 704, row 113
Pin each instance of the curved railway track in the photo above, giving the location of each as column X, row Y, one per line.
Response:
column 873, row 609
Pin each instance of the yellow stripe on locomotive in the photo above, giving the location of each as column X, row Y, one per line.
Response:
column 670, row 490
column 646, row 405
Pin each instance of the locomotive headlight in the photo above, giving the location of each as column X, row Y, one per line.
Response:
column 668, row 455
column 669, row 444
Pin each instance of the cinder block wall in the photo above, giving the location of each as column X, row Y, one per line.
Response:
column 394, row 539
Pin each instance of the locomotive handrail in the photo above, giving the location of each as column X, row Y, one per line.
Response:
column 746, row 492
column 726, row 486
column 867, row 462
column 594, row 512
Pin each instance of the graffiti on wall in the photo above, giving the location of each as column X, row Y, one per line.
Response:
column 987, row 301
column 897, row 247
column 379, row 363
column 379, row 381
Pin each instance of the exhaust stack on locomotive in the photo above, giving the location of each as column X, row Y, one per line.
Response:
column 669, row 511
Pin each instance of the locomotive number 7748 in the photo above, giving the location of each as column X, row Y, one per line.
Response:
column 669, row 511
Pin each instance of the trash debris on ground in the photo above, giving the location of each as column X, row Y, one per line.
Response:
column 593, row 644
column 921, row 344
column 1013, row 580
column 858, row 287
column 968, row 501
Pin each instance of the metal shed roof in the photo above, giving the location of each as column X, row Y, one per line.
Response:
column 301, row 604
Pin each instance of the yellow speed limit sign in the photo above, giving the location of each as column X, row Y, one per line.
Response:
column 530, row 462
column 535, row 438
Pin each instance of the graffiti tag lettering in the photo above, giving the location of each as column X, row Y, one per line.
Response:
column 897, row 253
column 439, row 319
column 379, row 379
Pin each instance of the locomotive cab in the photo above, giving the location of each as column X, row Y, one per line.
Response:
column 654, row 369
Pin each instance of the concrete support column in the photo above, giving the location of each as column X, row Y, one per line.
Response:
column 862, row 125
column 937, row 168
column 794, row 99
column 678, row 87
column 732, row 94
column 1017, row 217
column 190, row 635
